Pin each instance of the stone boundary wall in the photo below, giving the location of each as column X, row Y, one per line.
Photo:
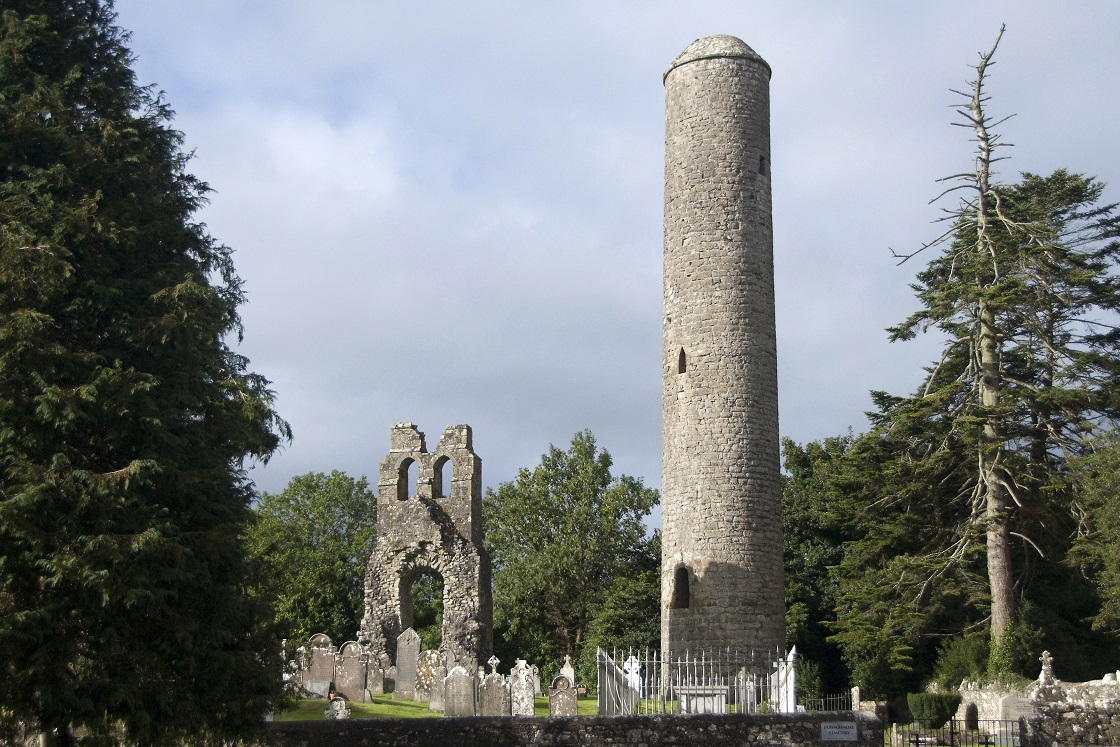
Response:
column 1083, row 713
column 1068, row 724
column 986, row 698
column 758, row 730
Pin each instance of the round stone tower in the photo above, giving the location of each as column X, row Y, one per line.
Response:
column 721, row 575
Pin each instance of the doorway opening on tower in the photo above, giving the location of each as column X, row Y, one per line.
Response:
column 682, row 362
column 679, row 599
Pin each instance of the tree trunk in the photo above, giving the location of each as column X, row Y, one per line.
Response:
column 997, row 513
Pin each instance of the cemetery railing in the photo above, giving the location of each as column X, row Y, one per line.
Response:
column 720, row 681
column 955, row 733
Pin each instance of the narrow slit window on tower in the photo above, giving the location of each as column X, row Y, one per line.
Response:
column 679, row 600
column 682, row 362
column 762, row 165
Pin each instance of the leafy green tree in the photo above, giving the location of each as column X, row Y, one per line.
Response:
column 314, row 540
column 1097, row 549
column 125, row 417
column 569, row 550
column 817, row 514
column 1024, row 292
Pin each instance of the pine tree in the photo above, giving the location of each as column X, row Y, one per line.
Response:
column 1025, row 294
column 125, row 417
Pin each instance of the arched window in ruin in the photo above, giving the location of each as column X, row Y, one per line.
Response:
column 422, row 606
column 682, row 363
column 442, row 474
column 679, row 599
column 406, row 479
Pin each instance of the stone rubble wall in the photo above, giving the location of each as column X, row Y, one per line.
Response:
column 724, row 730
column 1075, row 713
column 986, row 698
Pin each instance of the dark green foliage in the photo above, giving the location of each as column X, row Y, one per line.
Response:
column 916, row 573
column 932, row 710
column 314, row 540
column 817, row 521
column 961, row 658
column 427, row 610
column 1097, row 549
column 125, row 417
column 572, row 562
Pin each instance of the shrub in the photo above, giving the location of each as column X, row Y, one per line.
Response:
column 932, row 710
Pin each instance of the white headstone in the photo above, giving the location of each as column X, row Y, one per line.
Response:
column 521, row 690
column 567, row 670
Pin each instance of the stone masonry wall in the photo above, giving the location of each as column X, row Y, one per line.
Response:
column 722, row 582
column 763, row 730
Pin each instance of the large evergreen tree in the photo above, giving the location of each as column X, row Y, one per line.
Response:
column 125, row 416
column 1025, row 293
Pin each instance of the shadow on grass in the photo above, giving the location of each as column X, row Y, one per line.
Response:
column 383, row 706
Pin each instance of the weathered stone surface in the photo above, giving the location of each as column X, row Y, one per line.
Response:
column 337, row 710
column 435, row 696
column 725, row 730
column 425, row 669
column 350, row 672
column 722, row 582
column 408, row 655
column 319, row 672
column 522, row 689
column 1012, row 708
column 459, row 693
column 375, row 677
column 434, row 527
column 494, row 696
column 562, row 698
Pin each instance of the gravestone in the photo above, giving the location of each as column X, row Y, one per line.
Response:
column 1012, row 707
column 425, row 681
column 408, row 655
column 494, row 696
column 567, row 670
column 537, row 681
column 319, row 674
column 350, row 672
column 337, row 710
column 375, row 677
column 435, row 700
column 458, row 693
column 561, row 698
column 521, row 689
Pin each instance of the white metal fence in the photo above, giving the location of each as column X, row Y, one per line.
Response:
column 721, row 681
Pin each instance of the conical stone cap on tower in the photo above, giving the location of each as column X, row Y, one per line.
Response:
column 714, row 47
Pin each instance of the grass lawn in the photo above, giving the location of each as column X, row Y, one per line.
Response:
column 383, row 706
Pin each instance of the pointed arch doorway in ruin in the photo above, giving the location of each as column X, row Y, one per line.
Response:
column 429, row 521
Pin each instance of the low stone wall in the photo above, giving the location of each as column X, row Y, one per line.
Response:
column 986, row 698
column 758, row 730
column 1082, row 713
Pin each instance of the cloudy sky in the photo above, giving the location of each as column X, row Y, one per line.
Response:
column 450, row 212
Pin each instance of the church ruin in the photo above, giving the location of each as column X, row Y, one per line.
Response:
column 433, row 524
